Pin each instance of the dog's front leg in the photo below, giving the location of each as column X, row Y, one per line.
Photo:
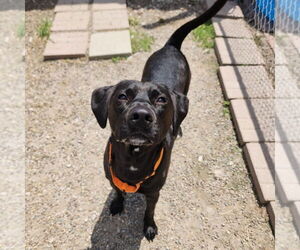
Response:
column 150, row 228
column 117, row 205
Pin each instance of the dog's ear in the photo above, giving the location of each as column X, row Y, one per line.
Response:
column 99, row 103
column 181, row 106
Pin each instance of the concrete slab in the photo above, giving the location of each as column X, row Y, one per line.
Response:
column 286, row 83
column 71, row 5
column 288, row 192
column 260, row 161
column 66, row 45
column 261, row 155
column 231, row 9
column 71, row 21
column 234, row 51
column 280, row 58
column 228, row 27
column 111, row 43
column 109, row 4
column 287, row 156
column 243, row 82
column 254, row 120
column 102, row 20
column 288, row 120
column 287, row 162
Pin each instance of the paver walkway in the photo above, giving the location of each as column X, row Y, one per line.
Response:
column 248, row 88
column 208, row 194
column 96, row 30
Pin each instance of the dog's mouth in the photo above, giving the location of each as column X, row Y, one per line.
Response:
column 137, row 140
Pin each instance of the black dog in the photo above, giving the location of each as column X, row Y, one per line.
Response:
column 145, row 119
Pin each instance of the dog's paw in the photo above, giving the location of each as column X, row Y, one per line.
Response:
column 150, row 231
column 116, row 207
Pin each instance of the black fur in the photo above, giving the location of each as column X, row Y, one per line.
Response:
column 146, row 116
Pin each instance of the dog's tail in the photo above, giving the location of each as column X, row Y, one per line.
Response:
column 180, row 34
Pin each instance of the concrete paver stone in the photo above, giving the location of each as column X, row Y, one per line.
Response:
column 109, row 5
column 66, row 44
column 71, row 5
column 110, row 20
column 254, row 119
column 240, row 82
column 260, row 160
column 287, row 122
column 228, row 27
column 71, row 21
column 234, row 51
column 286, row 84
column 287, row 163
column 111, row 43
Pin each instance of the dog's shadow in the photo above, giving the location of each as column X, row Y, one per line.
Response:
column 123, row 231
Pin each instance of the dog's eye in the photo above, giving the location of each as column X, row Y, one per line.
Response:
column 122, row 97
column 161, row 100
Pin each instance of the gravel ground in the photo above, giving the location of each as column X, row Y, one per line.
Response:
column 208, row 201
column 12, row 126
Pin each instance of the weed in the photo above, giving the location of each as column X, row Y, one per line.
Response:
column 205, row 35
column 140, row 41
column 44, row 28
column 226, row 105
column 258, row 40
column 118, row 59
column 21, row 30
column 133, row 21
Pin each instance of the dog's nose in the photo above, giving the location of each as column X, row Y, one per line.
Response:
column 140, row 116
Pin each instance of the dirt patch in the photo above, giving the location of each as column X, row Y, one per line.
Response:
column 208, row 200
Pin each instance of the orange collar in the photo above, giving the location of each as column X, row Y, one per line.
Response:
column 123, row 186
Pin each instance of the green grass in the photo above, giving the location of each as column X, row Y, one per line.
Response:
column 258, row 40
column 118, row 59
column 44, row 28
column 21, row 30
column 133, row 21
column 140, row 41
column 205, row 35
column 226, row 111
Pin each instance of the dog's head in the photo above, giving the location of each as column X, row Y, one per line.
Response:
column 139, row 113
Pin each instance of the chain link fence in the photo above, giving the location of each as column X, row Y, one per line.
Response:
column 277, row 22
column 275, row 25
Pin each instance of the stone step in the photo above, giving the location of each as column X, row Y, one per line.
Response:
column 102, row 20
column 109, row 44
column 71, row 5
column 243, row 82
column 71, row 21
column 253, row 119
column 66, row 45
column 108, row 5
column 235, row 51
column 228, row 27
column 260, row 161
